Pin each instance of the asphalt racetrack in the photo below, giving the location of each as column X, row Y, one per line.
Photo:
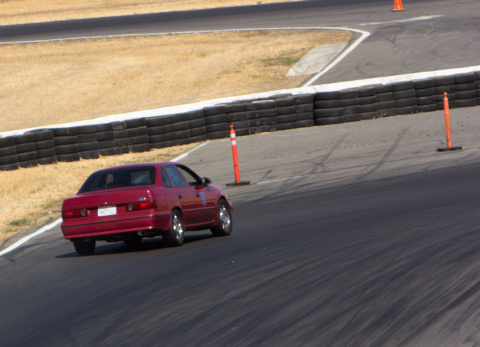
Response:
column 357, row 234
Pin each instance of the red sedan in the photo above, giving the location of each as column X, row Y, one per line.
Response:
column 129, row 202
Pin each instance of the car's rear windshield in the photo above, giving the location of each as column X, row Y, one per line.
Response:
column 118, row 178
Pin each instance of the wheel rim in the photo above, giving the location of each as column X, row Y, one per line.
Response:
column 224, row 217
column 177, row 227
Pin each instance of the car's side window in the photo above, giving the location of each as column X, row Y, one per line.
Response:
column 175, row 177
column 191, row 177
column 165, row 180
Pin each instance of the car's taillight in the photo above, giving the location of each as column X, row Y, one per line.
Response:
column 141, row 205
column 74, row 213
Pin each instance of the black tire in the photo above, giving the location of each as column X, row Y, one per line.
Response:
column 137, row 140
column 9, row 159
column 105, row 136
column 68, row 158
column 105, row 152
column 25, row 138
column 328, row 113
column 175, row 235
column 66, row 149
column 46, row 153
column 329, row 120
column 286, row 110
column 95, row 154
column 423, row 84
column 201, row 131
column 135, row 123
column 27, row 156
column 384, row 97
column 139, row 148
column 27, row 164
column 215, row 119
column 404, row 94
column 302, row 99
column 84, row 247
column 7, row 141
column 286, row 126
column 46, row 144
column 468, row 94
column 87, row 146
column 402, row 86
column 61, row 132
column 224, row 220
column 105, row 144
column 211, row 128
column 236, row 107
column 120, row 134
column 158, row 138
column 304, row 108
column 86, row 129
column 9, row 167
column 322, row 104
column 41, row 135
column 121, row 150
column 426, row 100
column 425, row 92
column 6, row 151
column 288, row 118
column 405, row 102
column 65, row 140
column 136, row 132
column 158, row 121
column 214, row 135
column 196, row 123
column 25, row 147
column 213, row 110
column 464, row 78
column 47, row 160
column 334, row 95
column 465, row 87
column 367, row 92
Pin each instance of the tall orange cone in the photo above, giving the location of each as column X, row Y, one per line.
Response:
column 398, row 5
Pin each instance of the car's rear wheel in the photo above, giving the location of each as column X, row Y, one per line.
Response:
column 84, row 247
column 224, row 220
column 175, row 235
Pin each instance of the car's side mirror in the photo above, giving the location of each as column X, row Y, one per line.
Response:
column 206, row 181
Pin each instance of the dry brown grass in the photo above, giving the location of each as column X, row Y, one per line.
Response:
column 31, row 197
column 30, row 11
column 56, row 82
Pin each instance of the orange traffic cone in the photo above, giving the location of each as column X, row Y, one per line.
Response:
column 398, row 5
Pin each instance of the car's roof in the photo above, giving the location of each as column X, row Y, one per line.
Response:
column 158, row 163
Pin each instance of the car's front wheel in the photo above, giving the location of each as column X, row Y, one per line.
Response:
column 175, row 235
column 84, row 247
column 224, row 220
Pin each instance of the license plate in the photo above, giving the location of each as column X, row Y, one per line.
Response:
column 107, row 211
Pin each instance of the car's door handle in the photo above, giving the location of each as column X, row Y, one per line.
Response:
column 179, row 196
column 197, row 195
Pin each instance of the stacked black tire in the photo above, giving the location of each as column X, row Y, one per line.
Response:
column 280, row 112
column 400, row 98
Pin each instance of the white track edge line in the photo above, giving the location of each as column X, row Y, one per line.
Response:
column 27, row 238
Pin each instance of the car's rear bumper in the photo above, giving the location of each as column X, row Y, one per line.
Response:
column 98, row 228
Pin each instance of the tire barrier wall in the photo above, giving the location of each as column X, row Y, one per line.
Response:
column 274, row 113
